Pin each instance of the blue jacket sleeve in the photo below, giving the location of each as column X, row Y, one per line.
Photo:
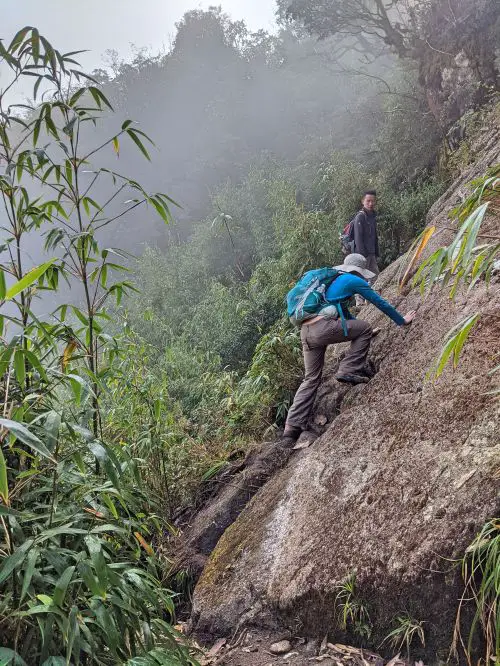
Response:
column 363, row 289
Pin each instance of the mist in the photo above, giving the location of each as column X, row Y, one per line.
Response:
column 219, row 98
column 225, row 98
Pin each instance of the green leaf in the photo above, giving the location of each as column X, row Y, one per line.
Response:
column 19, row 367
column 28, row 280
column 29, row 570
column 26, row 437
column 76, row 96
column 68, row 170
column 19, row 38
column 6, row 356
column 45, row 599
column 444, row 356
column 62, row 586
column 37, row 127
column 35, row 44
column 52, row 425
column 7, row 511
column 132, row 134
column 10, row 658
column 95, row 551
column 99, row 98
column 110, row 504
column 462, row 337
column 35, row 363
column 80, row 316
column 4, row 486
column 56, row 531
column 3, row 287
column 161, row 209
column 89, row 579
column 13, row 561
column 35, row 94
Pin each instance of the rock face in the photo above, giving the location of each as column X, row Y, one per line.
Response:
column 398, row 484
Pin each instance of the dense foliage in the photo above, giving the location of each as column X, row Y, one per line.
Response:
column 79, row 579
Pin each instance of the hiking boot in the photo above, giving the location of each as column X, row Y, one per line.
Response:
column 368, row 371
column 291, row 433
column 352, row 379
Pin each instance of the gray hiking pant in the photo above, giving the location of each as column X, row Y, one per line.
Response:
column 371, row 264
column 315, row 339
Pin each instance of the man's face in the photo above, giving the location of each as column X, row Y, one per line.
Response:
column 369, row 201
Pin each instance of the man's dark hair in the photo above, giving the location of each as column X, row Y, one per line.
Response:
column 372, row 192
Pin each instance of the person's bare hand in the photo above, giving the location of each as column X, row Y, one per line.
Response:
column 409, row 317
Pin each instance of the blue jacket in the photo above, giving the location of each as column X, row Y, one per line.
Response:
column 347, row 285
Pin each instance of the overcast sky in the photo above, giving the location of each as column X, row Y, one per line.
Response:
column 115, row 24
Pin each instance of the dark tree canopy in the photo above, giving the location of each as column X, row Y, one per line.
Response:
column 454, row 42
column 390, row 21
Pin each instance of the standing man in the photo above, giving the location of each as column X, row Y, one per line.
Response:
column 365, row 236
column 334, row 323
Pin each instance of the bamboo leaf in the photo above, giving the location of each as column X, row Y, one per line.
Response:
column 35, row 44
column 29, row 570
column 35, row 363
column 131, row 133
column 18, row 39
column 444, row 356
column 4, row 486
column 13, row 561
column 76, row 96
column 28, row 280
column 10, row 658
column 6, row 357
column 99, row 98
column 26, row 437
column 62, row 585
column 462, row 336
column 19, row 367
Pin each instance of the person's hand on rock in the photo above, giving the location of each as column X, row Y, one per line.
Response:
column 409, row 317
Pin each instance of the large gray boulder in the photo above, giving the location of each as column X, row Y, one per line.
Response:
column 395, row 489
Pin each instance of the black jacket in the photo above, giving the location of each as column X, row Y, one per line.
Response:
column 365, row 233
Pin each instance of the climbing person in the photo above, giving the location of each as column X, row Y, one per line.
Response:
column 331, row 323
column 365, row 236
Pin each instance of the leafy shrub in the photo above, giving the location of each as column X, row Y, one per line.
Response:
column 481, row 573
column 266, row 391
column 402, row 215
column 79, row 580
column 80, row 577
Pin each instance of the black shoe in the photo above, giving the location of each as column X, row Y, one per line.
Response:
column 291, row 433
column 352, row 379
column 368, row 371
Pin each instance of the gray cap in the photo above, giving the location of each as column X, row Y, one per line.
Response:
column 356, row 263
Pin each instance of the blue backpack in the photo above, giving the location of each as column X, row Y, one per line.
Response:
column 307, row 297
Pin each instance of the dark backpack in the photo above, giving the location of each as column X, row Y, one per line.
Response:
column 307, row 297
column 347, row 237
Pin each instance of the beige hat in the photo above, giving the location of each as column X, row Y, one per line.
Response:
column 356, row 263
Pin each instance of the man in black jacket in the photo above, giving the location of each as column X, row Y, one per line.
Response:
column 365, row 235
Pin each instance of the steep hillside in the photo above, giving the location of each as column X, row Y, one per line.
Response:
column 395, row 488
